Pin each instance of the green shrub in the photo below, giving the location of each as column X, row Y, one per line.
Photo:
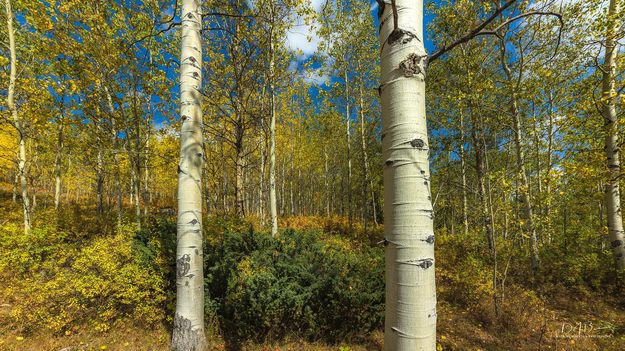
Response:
column 299, row 285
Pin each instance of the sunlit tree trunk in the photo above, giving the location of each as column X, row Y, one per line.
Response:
column 366, row 178
column 348, row 137
column 188, row 332
column 612, row 147
column 118, row 182
column 273, row 208
column 261, row 177
column 463, row 171
column 19, row 124
column 524, row 188
column 410, row 322
column 100, row 182
column 57, row 165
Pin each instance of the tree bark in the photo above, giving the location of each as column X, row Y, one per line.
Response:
column 410, row 322
column 188, row 333
column 463, row 171
column 58, row 160
column 273, row 209
column 366, row 179
column 115, row 138
column 19, row 123
column 350, row 207
column 612, row 148
column 524, row 188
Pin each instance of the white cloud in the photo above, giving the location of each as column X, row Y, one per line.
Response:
column 303, row 38
column 315, row 77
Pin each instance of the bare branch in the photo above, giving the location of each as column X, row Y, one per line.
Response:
column 472, row 34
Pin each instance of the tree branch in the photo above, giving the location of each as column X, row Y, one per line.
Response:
column 472, row 34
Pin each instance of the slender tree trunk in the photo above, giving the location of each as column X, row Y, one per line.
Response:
column 548, row 166
column 57, row 166
column 530, row 226
column 366, row 179
column 272, row 139
column 146, row 178
column 612, row 148
column 16, row 181
column 19, row 124
column 410, row 322
column 348, row 136
column 188, row 333
column 239, row 196
column 100, row 182
column 261, row 177
column 524, row 188
column 326, row 179
column 118, row 182
column 463, row 171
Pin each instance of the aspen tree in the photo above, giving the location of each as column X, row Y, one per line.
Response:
column 410, row 322
column 612, row 189
column 19, row 123
column 188, row 333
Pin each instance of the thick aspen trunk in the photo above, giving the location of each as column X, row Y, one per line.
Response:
column 19, row 124
column 410, row 322
column 188, row 333
column 612, row 148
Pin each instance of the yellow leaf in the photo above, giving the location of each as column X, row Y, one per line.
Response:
column 19, row 338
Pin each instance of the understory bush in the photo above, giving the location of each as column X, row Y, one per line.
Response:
column 298, row 284
column 58, row 284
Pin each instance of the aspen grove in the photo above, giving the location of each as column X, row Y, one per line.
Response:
column 393, row 175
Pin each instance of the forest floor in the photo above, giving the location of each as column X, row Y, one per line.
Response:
column 554, row 318
column 587, row 325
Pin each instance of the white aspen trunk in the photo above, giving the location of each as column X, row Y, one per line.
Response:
column 463, row 170
column 146, row 177
column 239, row 196
column 350, row 211
column 137, row 189
column 410, row 322
column 273, row 208
column 57, row 166
column 118, row 182
column 365, row 163
column 326, row 180
column 137, row 158
column 16, row 180
column 188, row 333
column 261, row 178
column 19, row 124
column 100, row 182
column 612, row 189
column 530, row 226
